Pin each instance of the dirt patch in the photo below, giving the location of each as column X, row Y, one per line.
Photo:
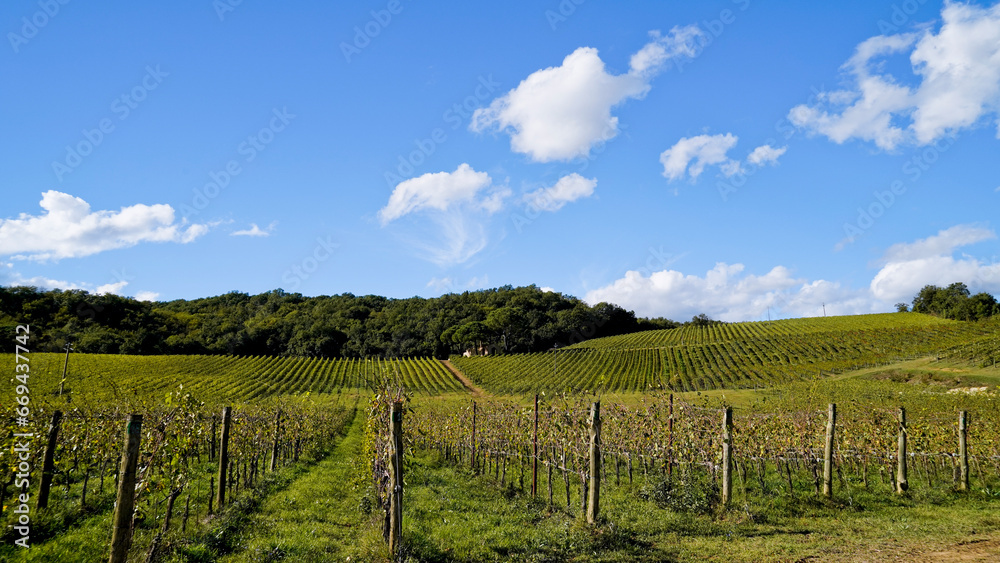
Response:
column 465, row 381
column 986, row 549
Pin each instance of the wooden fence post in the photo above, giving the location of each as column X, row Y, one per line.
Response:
column 395, row 477
column 963, row 450
column 901, row 483
column 594, row 494
column 48, row 463
column 220, row 500
column 534, row 458
column 474, row 437
column 277, row 437
column 831, row 424
column 670, row 441
column 121, row 534
column 727, row 456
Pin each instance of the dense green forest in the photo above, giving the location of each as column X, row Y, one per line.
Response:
column 506, row 319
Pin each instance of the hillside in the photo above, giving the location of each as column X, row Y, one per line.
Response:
column 222, row 378
column 722, row 356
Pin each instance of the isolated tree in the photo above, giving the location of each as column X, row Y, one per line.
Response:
column 902, row 308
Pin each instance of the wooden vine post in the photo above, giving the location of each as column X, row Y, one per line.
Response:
column 963, row 450
column 534, row 457
column 121, row 534
column 395, row 477
column 901, row 483
column 594, row 493
column 220, row 500
column 277, row 438
column 473, row 437
column 727, row 456
column 48, row 462
column 831, row 424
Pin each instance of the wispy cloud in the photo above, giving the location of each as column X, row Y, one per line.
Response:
column 255, row 231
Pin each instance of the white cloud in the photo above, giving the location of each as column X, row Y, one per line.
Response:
column 68, row 228
column 656, row 54
column 147, row 296
column 456, row 203
column 957, row 72
column 113, row 288
column 547, row 289
column 560, row 113
column 727, row 293
column 439, row 191
column 907, row 267
column 567, row 189
column 765, row 154
column 254, row 231
column 943, row 243
column 702, row 150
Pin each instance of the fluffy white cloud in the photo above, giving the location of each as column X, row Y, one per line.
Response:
column 559, row 113
column 147, row 296
column 112, row 288
column 765, row 154
column 727, row 293
column 907, row 267
column 691, row 155
column 957, row 71
column 439, row 191
column 67, row 228
column 567, row 189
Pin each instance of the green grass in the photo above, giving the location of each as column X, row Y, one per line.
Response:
column 317, row 518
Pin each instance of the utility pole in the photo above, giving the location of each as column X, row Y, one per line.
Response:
column 65, row 367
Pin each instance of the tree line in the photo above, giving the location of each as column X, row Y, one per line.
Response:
column 953, row 302
column 501, row 320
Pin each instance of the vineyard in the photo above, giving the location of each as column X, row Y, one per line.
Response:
column 184, row 452
column 723, row 356
column 226, row 378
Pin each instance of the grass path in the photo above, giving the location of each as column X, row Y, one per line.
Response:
column 316, row 518
column 463, row 379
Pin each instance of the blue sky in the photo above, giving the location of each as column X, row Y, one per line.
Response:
column 737, row 158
